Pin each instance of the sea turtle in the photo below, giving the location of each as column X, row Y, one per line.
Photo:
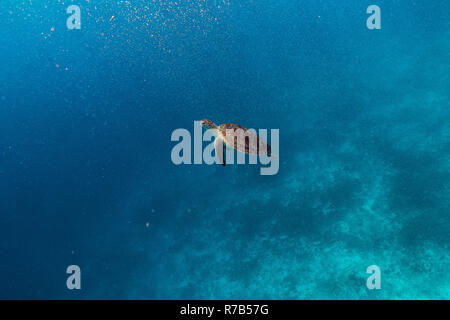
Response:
column 238, row 138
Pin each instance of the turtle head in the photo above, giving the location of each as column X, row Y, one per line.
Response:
column 208, row 124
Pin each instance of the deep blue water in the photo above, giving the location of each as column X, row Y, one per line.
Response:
column 85, row 123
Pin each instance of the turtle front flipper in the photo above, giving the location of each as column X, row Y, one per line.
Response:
column 220, row 150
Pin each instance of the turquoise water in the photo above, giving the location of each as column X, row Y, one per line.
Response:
column 86, row 176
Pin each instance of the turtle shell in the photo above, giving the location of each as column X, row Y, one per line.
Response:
column 243, row 139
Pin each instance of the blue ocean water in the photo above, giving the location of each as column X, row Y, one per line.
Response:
column 86, row 176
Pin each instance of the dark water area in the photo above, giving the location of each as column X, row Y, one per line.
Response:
column 86, row 175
